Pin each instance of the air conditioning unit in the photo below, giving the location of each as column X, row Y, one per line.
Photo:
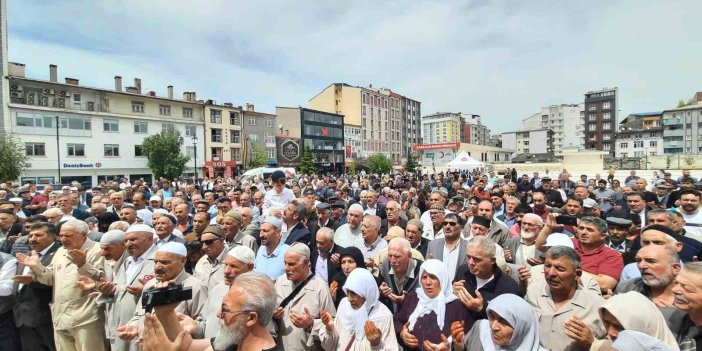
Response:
column 15, row 87
column 91, row 106
column 64, row 93
column 49, row 91
column 15, row 94
column 62, row 103
column 31, row 98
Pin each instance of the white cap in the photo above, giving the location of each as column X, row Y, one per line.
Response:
column 160, row 210
column 300, row 249
column 174, row 248
column 559, row 239
column 535, row 217
column 140, row 228
column 589, row 203
column 356, row 207
column 16, row 199
column 243, row 254
column 275, row 221
column 112, row 237
column 155, row 198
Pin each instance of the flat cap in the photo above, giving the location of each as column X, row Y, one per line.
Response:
column 338, row 204
column 234, row 214
column 589, row 203
column 214, row 229
column 620, row 222
column 480, row 220
column 323, row 206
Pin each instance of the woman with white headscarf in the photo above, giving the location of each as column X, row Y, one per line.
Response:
column 629, row 340
column 511, row 325
column 633, row 311
column 362, row 323
column 424, row 321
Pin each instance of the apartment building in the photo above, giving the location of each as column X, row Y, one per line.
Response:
column 259, row 129
column 534, row 141
column 601, row 120
column 566, row 121
column 639, row 135
column 223, row 131
column 443, row 127
column 682, row 128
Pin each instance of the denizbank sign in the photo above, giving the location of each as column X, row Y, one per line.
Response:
column 82, row 165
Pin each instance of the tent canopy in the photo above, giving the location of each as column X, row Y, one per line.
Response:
column 464, row 161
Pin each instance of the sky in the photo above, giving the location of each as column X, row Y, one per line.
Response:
column 503, row 60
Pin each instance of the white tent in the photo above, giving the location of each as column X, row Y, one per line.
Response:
column 464, row 161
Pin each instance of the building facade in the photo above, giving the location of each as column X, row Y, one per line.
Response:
column 567, row 121
column 259, row 130
column 322, row 131
column 681, row 130
column 223, row 131
column 534, row 141
column 601, row 120
column 381, row 114
column 475, row 132
column 90, row 134
column 639, row 135
column 443, row 127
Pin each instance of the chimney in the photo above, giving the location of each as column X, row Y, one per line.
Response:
column 137, row 85
column 249, row 107
column 16, row 69
column 193, row 97
column 53, row 73
column 170, row 92
column 71, row 81
column 118, row 83
column 186, row 96
column 151, row 93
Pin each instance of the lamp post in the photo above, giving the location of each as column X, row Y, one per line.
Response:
column 195, row 153
column 58, row 152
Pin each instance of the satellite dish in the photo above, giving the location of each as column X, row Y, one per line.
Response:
column 280, row 126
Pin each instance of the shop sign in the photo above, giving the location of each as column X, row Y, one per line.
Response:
column 220, row 164
column 289, row 152
column 82, row 165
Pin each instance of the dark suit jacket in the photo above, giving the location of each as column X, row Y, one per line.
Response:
column 299, row 233
column 332, row 268
column 16, row 229
column 402, row 223
column 500, row 284
column 80, row 214
column 313, row 227
column 379, row 210
column 32, row 301
column 423, row 246
column 436, row 251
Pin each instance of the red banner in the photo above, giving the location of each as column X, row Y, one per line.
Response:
column 420, row 147
column 348, row 151
column 220, row 164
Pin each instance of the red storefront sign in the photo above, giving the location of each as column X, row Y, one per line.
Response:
column 220, row 164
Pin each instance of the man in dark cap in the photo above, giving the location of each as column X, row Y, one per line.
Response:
column 209, row 267
column 338, row 210
column 618, row 230
column 324, row 220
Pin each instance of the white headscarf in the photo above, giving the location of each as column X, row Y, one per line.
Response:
column 520, row 316
column 362, row 283
column 629, row 340
column 438, row 304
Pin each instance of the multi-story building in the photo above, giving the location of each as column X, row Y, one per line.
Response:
column 601, row 119
column 640, row 134
column 534, row 141
column 259, row 129
column 565, row 120
column 443, row 127
column 681, row 130
column 474, row 131
column 92, row 134
column 380, row 113
column 322, row 131
column 224, row 139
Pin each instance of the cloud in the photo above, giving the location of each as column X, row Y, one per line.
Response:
column 503, row 60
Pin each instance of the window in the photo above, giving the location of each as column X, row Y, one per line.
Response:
column 141, row 127
column 190, row 151
column 216, row 153
column 168, row 127
column 35, row 149
column 624, row 145
column 234, row 118
column 111, row 150
column 236, row 154
column 234, row 136
column 526, row 151
column 270, row 151
column 216, row 136
column 269, row 123
column 76, row 149
column 606, row 116
column 75, row 123
column 110, row 125
column 253, row 137
column 190, row 131
column 526, row 142
column 164, row 110
column 252, row 121
column 216, row 116
column 187, row 112
column 606, row 126
column 607, row 105
column 138, row 106
column 592, row 117
column 653, row 143
column 605, row 147
column 606, row 136
column 638, row 143
column 76, row 98
column 138, row 151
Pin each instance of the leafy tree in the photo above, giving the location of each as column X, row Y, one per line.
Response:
column 164, row 155
column 690, row 160
column 379, row 163
column 13, row 158
column 411, row 163
column 258, row 156
column 307, row 162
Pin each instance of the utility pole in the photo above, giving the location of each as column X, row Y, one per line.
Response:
column 58, row 152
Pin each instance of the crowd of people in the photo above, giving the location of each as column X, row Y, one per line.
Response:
column 448, row 261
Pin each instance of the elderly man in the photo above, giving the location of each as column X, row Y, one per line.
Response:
column 65, row 204
column 508, row 217
column 269, row 258
column 249, row 224
column 31, row 310
column 393, row 219
column 618, row 229
column 451, row 248
column 370, row 243
column 116, row 200
column 78, row 325
column 324, row 220
column 497, row 232
column 522, row 250
column 568, row 313
column 325, row 257
column 298, row 309
column 293, row 216
column 169, row 264
column 347, row 234
column 234, row 235
column 481, row 280
column 399, row 274
column 128, row 213
column 435, row 229
column 686, row 327
column 413, row 232
column 372, row 207
column 164, row 226
column 209, row 268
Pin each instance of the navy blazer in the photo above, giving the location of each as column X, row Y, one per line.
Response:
column 299, row 233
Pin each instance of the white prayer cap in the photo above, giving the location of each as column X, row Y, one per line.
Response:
column 275, row 221
column 356, row 207
column 174, row 248
column 535, row 217
column 243, row 254
column 140, row 228
column 16, row 200
column 559, row 239
column 160, row 210
column 155, row 198
column 300, row 249
column 112, row 237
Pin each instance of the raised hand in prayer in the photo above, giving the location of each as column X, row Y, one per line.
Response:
column 577, row 330
column 278, row 313
column 533, row 261
column 327, row 320
column 22, row 279
column 373, row 333
column 508, row 255
column 77, row 257
column 409, row 339
column 303, row 320
column 458, row 285
column 398, row 299
column 155, row 338
column 31, row 261
column 524, row 275
column 385, row 289
column 458, row 332
column 106, row 287
column 187, row 323
column 333, row 288
column 335, row 258
column 127, row 332
column 86, row 283
column 474, row 304
column 442, row 346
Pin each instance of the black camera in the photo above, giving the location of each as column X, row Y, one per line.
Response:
column 164, row 296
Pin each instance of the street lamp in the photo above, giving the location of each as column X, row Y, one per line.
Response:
column 58, row 151
column 195, row 152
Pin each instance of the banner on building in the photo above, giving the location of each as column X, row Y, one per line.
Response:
column 289, row 151
column 437, row 157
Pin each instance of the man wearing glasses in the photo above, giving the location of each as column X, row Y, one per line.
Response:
column 451, row 247
column 521, row 250
column 209, row 268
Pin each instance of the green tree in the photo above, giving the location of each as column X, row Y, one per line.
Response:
column 411, row 163
column 258, row 156
column 163, row 153
column 307, row 162
column 690, row 160
column 379, row 163
column 13, row 158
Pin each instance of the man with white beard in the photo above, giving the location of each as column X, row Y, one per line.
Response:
column 521, row 250
column 245, row 313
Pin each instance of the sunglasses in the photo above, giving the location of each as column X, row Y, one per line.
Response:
column 209, row 242
column 450, row 224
